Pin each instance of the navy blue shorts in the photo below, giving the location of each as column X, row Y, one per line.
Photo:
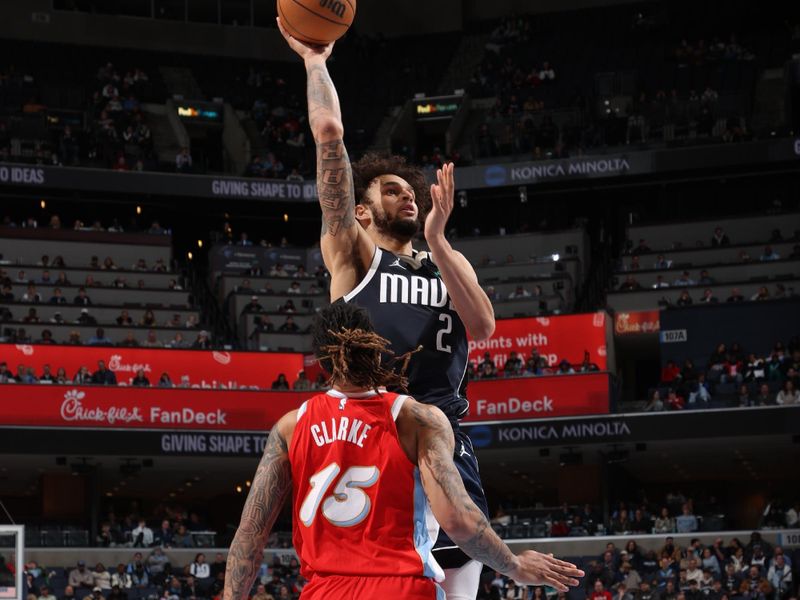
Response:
column 446, row 552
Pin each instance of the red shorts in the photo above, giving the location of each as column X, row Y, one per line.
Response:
column 341, row 587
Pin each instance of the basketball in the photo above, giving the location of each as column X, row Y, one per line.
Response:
column 317, row 21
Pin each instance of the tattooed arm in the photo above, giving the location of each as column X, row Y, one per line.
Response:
column 268, row 492
column 458, row 515
column 346, row 249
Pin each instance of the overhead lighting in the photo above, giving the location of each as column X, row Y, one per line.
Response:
column 43, row 204
column 138, row 210
column 238, row 489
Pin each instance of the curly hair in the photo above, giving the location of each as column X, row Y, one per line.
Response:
column 371, row 165
column 346, row 345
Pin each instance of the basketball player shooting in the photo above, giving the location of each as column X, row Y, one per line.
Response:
column 372, row 476
column 370, row 213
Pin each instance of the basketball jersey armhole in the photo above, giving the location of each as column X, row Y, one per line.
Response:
column 397, row 405
column 373, row 267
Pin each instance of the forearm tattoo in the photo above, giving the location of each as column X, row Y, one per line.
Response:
column 334, row 175
column 335, row 187
column 268, row 492
column 481, row 542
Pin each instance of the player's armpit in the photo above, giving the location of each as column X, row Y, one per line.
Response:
column 270, row 487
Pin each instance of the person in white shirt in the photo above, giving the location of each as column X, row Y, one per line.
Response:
column 788, row 395
column 142, row 535
column 102, row 578
column 201, row 571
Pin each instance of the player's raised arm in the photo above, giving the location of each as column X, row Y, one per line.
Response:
column 344, row 248
column 269, row 489
column 458, row 515
column 470, row 301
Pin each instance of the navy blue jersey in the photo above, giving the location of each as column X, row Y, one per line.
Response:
column 409, row 305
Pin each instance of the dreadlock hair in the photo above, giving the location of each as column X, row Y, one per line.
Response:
column 372, row 165
column 347, row 347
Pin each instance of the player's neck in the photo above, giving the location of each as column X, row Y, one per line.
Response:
column 391, row 244
column 348, row 388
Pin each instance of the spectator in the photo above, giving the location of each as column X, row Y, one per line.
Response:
column 201, row 571
column 183, row 538
column 80, row 577
column 684, row 280
column 289, row 326
column 599, row 592
column 57, row 297
column 124, row 319
column 769, row 254
column 294, row 288
column 735, row 296
column 664, row 523
column 140, row 574
column 164, row 536
column 487, row 368
column 686, row 522
column 183, row 161
column 103, row 376
column 788, row 395
column 99, row 338
column 253, row 306
column 218, row 566
column 674, row 401
column 708, row 297
column 684, row 299
column 85, row 318
column 178, row 341
column 164, row 381
column 642, row 248
column 302, row 384
column 148, row 319
column 513, row 366
column 761, row 294
column 630, row 285
column 45, row 594
column 121, row 578
column 519, row 293
column 202, row 341
column 82, row 299
column 31, row 295
column 720, row 238
column 670, row 372
column 280, row 383
column 130, row 341
column 779, row 576
column 151, row 341
column 654, row 404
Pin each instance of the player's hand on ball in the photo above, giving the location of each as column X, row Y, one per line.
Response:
column 305, row 51
column 535, row 568
column 442, row 194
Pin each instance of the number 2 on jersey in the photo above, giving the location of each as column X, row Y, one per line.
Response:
column 348, row 505
column 448, row 327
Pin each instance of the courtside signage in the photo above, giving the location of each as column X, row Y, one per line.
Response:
column 198, row 369
column 556, row 338
column 103, row 407
column 538, row 397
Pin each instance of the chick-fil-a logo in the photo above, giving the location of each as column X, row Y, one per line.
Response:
column 72, row 409
column 116, row 364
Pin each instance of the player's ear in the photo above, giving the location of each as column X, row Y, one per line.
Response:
column 363, row 214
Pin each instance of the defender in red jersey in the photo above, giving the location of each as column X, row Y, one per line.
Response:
column 372, row 477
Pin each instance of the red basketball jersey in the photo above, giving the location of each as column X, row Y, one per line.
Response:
column 359, row 508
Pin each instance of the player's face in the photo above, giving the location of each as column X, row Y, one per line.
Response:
column 393, row 207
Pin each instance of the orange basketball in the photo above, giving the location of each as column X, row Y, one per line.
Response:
column 317, row 21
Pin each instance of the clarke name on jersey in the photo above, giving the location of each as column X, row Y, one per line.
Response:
column 344, row 430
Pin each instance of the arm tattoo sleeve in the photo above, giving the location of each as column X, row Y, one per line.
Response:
column 335, row 187
column 334, row 176
column 268, row 492
column 476, row 538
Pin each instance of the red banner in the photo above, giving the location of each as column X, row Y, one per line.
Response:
column 114, row 407
column 639, row 321
column 104, row 407
column 194, row 368
column 556, row 338
column 538, row 397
